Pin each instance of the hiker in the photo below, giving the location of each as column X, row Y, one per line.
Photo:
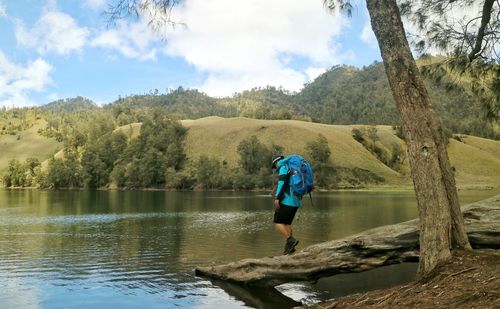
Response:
column 285, row 203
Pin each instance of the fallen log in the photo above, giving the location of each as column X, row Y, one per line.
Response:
column 370, row 249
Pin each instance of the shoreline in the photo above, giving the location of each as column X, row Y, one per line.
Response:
column 489, row 187
column 470, row 279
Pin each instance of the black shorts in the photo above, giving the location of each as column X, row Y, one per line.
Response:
column 284, row 214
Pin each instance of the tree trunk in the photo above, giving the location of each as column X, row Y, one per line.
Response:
column 441, row 222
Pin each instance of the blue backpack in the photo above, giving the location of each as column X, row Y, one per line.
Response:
column 301, row 175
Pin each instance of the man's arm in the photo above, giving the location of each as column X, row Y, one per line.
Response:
column 280, row 189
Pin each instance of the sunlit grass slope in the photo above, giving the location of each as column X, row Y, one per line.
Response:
column 219, row 138
column 30, row 144
column 130, row 130
column 476, row 160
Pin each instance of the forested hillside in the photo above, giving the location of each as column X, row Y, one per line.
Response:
column 344, row 122
column 227, row 153
column 343, row 95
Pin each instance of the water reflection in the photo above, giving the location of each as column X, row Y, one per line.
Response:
column 138, row 249
column 258, row 297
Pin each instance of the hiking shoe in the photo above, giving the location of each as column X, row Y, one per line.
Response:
column 290, row 245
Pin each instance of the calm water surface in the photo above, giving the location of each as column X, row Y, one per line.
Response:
column 94, row 249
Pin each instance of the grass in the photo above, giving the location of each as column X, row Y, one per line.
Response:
column 130, row 130
column 476, row 160
column 30, row 144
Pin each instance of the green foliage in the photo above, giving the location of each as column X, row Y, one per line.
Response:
column 348, row 95
column 318, row 151
column 64, row 173
column 399, row 132
column 119, row 175
column 16, row 120
column 345, row 177
column 179, row 180
column 478, row 79
column 71, row 105
column 21, row 174
column 253, row 155
column 398, row 157
column 342, row 95
column 357, row 177
column 179, row 103
column 243, row 181
column 475, row 36
column 370, row 140
column 14, row 176
column 95, row 174
column 158, row 147
column 264, row 178
column 358, row 135
column 208, row 172
column 472, row 64
column 277, row 149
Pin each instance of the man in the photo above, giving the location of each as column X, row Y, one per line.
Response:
column 285, row 203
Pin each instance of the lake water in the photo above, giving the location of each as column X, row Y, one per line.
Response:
column 138, row 249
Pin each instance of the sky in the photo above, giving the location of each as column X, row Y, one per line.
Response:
column 57, row 49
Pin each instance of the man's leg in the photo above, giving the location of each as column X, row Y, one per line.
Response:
column 284, row 229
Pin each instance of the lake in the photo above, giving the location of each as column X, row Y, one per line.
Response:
column 138, row 249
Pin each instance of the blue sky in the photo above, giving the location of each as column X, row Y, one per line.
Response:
column 55, row 49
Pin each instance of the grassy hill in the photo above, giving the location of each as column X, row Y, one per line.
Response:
column 476, row 160
column 27, row 143
column 343, row 95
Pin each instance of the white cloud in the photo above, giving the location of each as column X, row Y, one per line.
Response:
column 3, row 10
column 313, row 72
column 95, row 4
column 133, row 40
column 53, row 97
column 54, row 32
column 17, row 81
column 243, row 45
column 368, row 36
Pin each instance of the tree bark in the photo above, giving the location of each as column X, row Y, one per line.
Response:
column 373, row 248
column 441, row 222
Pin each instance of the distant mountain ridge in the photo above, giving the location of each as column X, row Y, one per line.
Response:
column 70, row 105
column 342, row 95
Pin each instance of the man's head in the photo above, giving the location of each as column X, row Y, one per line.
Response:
column 276, row 158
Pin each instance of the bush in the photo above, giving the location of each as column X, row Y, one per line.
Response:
column 253, row 155
column 179, row 180
column 398, row 157
column 399, row 132
column 242, row 180
column 358, row 135
column 208, row 172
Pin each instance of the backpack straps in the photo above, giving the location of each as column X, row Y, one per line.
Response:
column 310, row 197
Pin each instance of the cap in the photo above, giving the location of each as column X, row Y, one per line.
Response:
column 276, row 158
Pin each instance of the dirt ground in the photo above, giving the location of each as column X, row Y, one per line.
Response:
column 469, row 280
